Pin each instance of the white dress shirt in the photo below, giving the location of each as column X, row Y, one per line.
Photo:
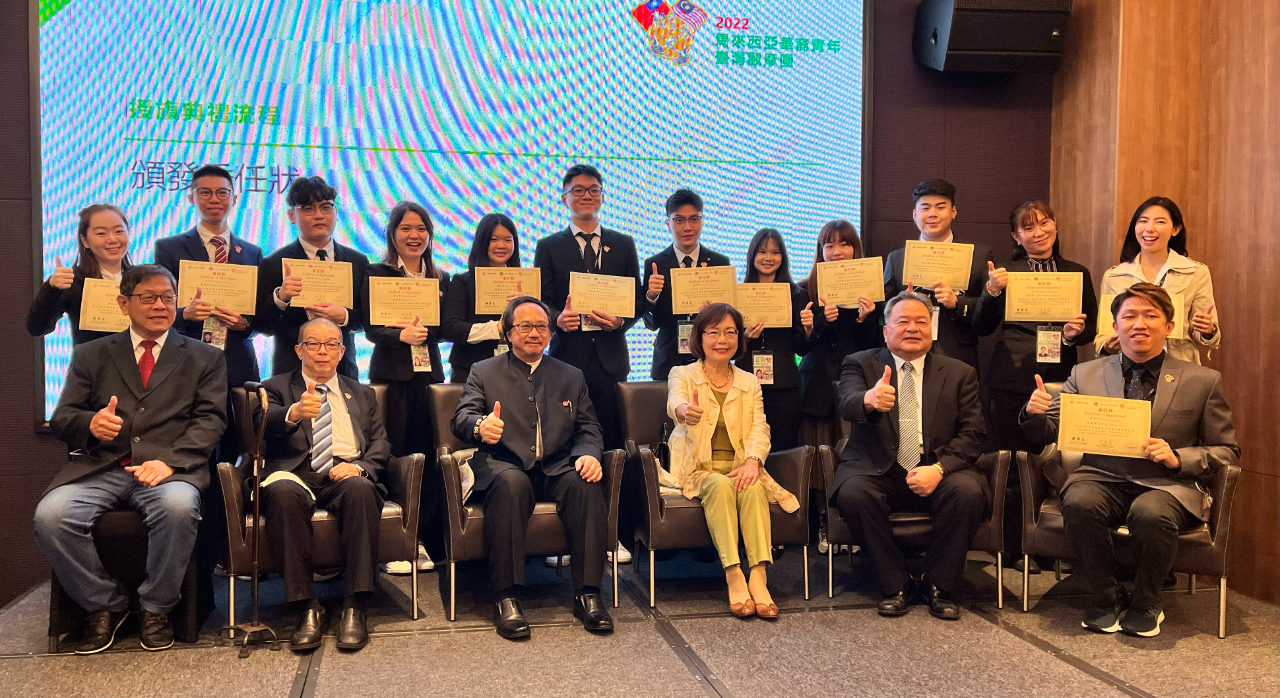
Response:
column 582, row 244
column 421, row 274
column 917, row 366
column 693, row 258
column 138, row 349
column 207, row 236
column 108, row 276
column 951, row 237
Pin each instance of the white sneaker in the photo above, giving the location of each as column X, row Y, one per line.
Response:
column 424, row 561
column 624, row 555
column 398, row 567
column 551, row 561
column 822, row 542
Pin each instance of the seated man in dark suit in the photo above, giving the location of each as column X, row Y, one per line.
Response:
column 551, row 452
column 326, row 447
column 140, row 412
column 1192, row 436
column 915, row 435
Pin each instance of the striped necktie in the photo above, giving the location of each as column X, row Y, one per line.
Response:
column 322, row 434
column 219, row 249
column 909, row 448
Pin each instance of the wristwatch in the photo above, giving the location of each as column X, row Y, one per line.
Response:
column 940, row 469
column 475, row 431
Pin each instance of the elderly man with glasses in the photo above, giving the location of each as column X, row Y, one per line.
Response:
column 550, row 451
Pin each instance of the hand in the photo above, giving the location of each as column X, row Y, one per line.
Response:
column 605, row 320
column 690, row 413
column 1159, row 451
column 656, row 283
column 518, row 292
column 924, row 480
column 829, row 312
column 589, row 468
column 997, row 279
column 865, row 306
column 1040, row 400
column 306, row 408
column 746, row 474
column 945, row 295
column 806, row 319
column 1074, row 327
column 62, row 277
column 1203, row 322
column 491, row 426
column 412, row 333
column 198, row 309
column 151, row 473
column 230, row 318
column 755, row 330
column 105, row 425
column 882, row 396
column 329, row 311
column 568, row 320
column 290, row 286
column 1112, row 345
column 342, row 471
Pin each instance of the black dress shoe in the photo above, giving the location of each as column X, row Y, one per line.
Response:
column 940, row 604
column 99, row 631
column 590, row 609
column 157, row 632
column 353, row 630
column 893, row 606
column 508, row 619
column 310, row 630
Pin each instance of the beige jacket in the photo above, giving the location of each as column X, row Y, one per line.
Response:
column 743, row 418
column 1182, row 275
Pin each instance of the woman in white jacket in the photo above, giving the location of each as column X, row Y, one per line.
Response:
column 718, row 449
column 1154, row 251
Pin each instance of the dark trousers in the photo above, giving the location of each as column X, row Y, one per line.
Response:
column 1091, row 510
column 408, row 424
column 956, row 509
column 508, row 504
column 1004, row 433
column 783, row 411
column 602, row 387
column 287, row 507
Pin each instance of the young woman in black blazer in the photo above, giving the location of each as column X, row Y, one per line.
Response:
column 102, row 237
column 478, row 337
column 1011, row 377
column 767, row 262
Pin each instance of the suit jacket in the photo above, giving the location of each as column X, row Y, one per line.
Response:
column 1189, row 412
column 288, row 446
column 392, row 359
column 556, row 391
column 950, row 413
column 558, row 255
column 827, row 348
column 242, row 360
column 456, row 318
column 956, row 336
column 178, row 418
column 1013, row 365
column 786, row 343
column 658, row 315
column 50, row 304
column 284, row 324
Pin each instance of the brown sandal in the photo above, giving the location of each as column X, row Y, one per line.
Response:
column 767, row 610
column 746, row 609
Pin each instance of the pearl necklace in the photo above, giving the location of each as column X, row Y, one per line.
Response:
column 718, row 386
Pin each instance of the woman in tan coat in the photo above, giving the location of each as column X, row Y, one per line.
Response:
column 718, row 449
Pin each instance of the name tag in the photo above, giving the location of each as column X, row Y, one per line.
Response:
column 501, row 349
column 1049, row 345
column 685, row 330
column 214, row 333
column 762, row 365
column 421, row 358
column 589, row 325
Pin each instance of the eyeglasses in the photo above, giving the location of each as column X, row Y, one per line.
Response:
column 325, row 207
column 529, row 327
column 581, row 192
column 713, row 335
column 151, row 298
column 315, row 346
column 681, row 220
column 205, row 193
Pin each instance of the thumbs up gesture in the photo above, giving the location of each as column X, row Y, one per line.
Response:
column 491, row 425
column 656, row 283
column 568, row 319
column 414, row 333
column 62, row 276
column 1040, row 399
column 882, row 396
column 105, row 425
column 290, row 286
column 198, row 309
column 997, row 279
column 516, row 293
column 308, row 407
column 806, row 319
column 690, row 413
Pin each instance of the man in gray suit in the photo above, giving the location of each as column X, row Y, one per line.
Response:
column 1191, row 437
column 141, row 411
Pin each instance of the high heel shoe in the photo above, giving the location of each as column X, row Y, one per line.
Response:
column 746, row 609
column 767, row 610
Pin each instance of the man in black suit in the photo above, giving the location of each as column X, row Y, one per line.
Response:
column 326, row 447
column 140, row 412
column 312, row 211
column 684, row 220
column 934, row 211
column 915, row 435
column 593, row 341
column 551, row 451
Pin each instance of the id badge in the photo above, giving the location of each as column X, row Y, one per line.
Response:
column 214, row 333
column 589, row 325
column 762, row 365
column 1049, row 345
column 935, row 322
column 501, row 349
column 421, row 358
column 686, row 329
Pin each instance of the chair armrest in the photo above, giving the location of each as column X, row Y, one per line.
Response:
column 996, row 467
column 231, row 478
column 793, row 469
column 1035, row 486
column 1223, row 491
column 652, row 490
column 612, row 468
column 827, row 458
column 455, row 514
column 404, row 487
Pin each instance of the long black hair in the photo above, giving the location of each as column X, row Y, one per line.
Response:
column 1178, row 243
column 783, row 275
column 391, row 257
column 479, row 256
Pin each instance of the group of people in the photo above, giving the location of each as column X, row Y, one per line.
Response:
column 145, row 411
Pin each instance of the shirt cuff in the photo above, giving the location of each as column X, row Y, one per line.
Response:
column 275, row 296
column 286, row 416
column 484, row 331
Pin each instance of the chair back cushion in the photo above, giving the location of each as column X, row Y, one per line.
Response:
column 643, row 405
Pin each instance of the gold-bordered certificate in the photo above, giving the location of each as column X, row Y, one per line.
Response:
column 612, row 295
column 231, row 286
column 1043, row 296
column 844, row 282
column 928, row 263
column 322, row 282
column 1108, row 426
column 767, row 303
column 690, row 288
column 99, row 310
column 400, row 299
column 494, row 284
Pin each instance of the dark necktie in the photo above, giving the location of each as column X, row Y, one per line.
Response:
column 322, row 255
column 688, row 262
column 1134, row 390
column 147, row 362
column 588, row 252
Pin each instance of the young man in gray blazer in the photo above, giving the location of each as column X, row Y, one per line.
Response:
column 1192, row 436
column 141, row 412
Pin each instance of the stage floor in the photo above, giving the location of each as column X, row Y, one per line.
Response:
column 689, row 645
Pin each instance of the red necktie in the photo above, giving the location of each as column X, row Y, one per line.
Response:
column 147, row 362
column 219, row 249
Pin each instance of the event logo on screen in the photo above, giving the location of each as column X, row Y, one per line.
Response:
column 670, row 29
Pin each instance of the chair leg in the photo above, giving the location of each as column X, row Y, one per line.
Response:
column 615, row 580
column 1057, row 570
column 231, row 600
column 1026, row 583
column 650, row 579
column 1000, row 579
column 413, row 586
column 1191, row 584
column 1222, row 607
column 805, row 548
column 453, row 590
column 830, row 563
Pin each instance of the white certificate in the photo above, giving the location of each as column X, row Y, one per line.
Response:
column 927, row 263
column 1107, row 426
column 844, row 282
column 322, row 282
column 494, row 284
column 690, row 288
column 401, row 299
column 231, row 286
column 1043, row 296
column 612, row 295
column 767, row 303
column 99, row 310
column 1105, row 318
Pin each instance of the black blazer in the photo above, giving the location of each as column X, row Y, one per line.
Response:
column 178, row 418
column 956, row 335
column 456, row 318
column 284, row 324
column 658, row 316
column 288, row 446
column 50, row 304
column 556, row 391
column 950, row 411
column 786, row 343
column 830, row 344
column 1013, row 365
column 242, row 360
column 558, row 255
column 392, row 359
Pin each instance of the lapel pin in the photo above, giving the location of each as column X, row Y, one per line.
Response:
column 568, row 404
column 606, row 248
column 704, row 264
column 238, row 248
column 1168, row 378
column 347, row 395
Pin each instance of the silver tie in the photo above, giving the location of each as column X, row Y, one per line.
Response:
column 909, row 448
